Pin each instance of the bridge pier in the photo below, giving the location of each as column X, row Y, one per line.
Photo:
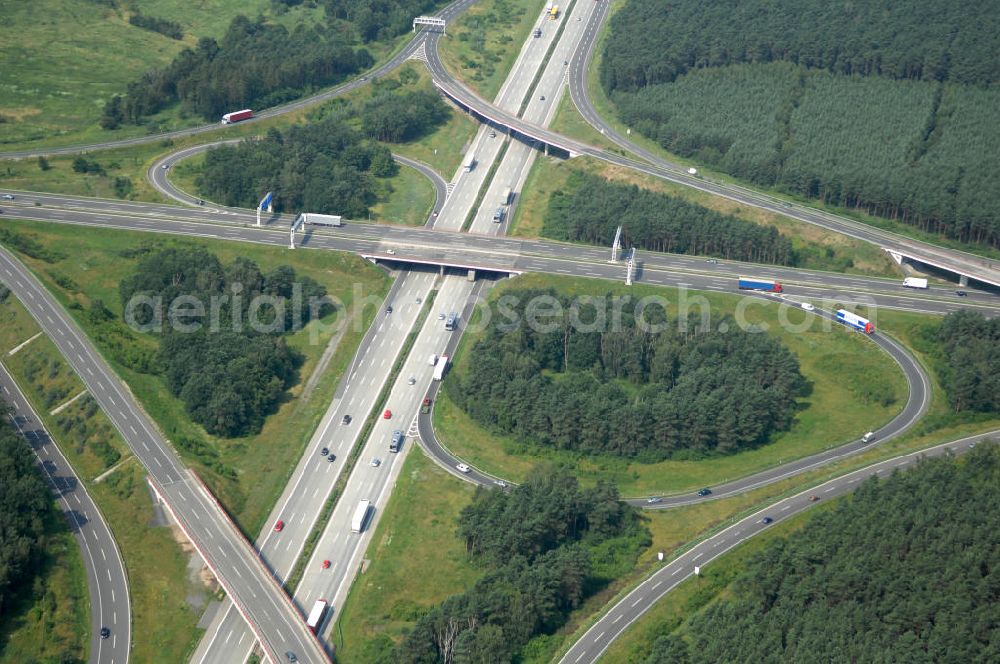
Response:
column 963, row 280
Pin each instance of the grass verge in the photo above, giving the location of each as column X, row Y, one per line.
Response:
column 416, row 561
column 50, row 621
column 485, row 41
column 313, row 539
column 262, row 463
column 833, row 413
column 166, row 599
column 816, row 248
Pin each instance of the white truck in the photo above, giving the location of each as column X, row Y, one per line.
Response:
column 441, row 367
column 469, row 163
column 316, row 615
column 360, row 516
column 505, row 196
column 315, row 219
column 913, row 282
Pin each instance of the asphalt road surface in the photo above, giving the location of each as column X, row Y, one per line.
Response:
column 622, row 614
column 415, row 245
column 449, row 12
column 107, row 583
column 158, row 176
column 227, row 638
column 233, row 562
column 961, row 262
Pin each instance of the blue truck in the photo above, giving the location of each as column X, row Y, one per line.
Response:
column 766, row 285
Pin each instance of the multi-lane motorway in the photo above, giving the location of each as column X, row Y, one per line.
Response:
column 622, row 614
column 300, row 505
column 233, row 562
column 444, row 246
column 107, row 582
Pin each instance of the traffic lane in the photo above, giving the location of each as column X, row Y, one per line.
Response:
column 337, row 544
column 163, row 468
column 450, row 11
column 955, row 261
column 649, row 260
column 365, row 380
column 612, row 624
column 107, row 583
column 918, row 400
column 305, row 495
column 356, row 239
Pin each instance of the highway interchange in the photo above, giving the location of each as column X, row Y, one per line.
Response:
column 314, row 477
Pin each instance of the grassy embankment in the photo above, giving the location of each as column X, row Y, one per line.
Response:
column 569, row 122
column 90, row 266
column 407, row 198
column 815, row 247
column 483, row 43
column 423, row 515
column 831, row 414
column 54, row 90
column 164, row 622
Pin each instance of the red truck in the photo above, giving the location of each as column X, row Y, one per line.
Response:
column 236, row 116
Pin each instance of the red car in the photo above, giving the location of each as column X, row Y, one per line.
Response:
column 387, row 415
column 326, row 564
column 813, row 499
column 278, row 527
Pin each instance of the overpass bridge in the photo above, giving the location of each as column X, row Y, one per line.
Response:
column 965, row 267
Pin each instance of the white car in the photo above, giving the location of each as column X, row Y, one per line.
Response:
column 391, row 252
column 463, row 468
column 867, row 437
column 807, row 306
column 8, row 197
column 376, row 462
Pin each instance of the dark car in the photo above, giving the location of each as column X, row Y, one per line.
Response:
column 766, row 520
column 961, row 293
column 332, row 457
column 105, row 632
column 291, row 656
column 324, row 451
column 388, row 309
column 705, row 492
column 346, row 420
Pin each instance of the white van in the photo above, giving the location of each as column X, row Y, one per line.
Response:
column 433, row 360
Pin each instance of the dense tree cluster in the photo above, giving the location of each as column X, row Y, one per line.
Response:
column 24, row 502
column 324, row 167
column 971, row 358
column 375, row 20
column 810, row 107
column 396, row 117
column 928, row 40
column 257, row 64
column 905, row 571
column 547, row 545
column 164, row 26
column 628, row 389
column 232, row 373
column 592, row 208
